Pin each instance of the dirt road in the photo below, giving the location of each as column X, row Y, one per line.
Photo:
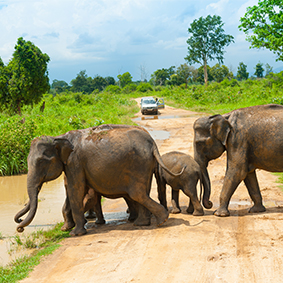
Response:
column 241, row 248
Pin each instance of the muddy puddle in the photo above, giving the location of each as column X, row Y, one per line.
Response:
column 13, row 197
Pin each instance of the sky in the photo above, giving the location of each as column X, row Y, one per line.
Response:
column 111, row 37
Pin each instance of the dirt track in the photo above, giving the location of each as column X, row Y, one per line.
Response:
column 241, row 248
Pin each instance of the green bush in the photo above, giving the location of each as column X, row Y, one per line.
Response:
column 144, row 87
column 113, row 89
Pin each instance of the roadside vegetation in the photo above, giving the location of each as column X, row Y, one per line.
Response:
column 41, row 242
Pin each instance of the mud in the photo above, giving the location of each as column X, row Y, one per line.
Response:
column 241, row 248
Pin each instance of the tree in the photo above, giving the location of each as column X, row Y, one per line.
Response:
column 124, row 79
column 160, row 76
column 59, row 86
column 199, row 76
column 99, row 83
column 220, row 72
column 242, row 73
column 82, row 83
column 24, row 80
column 110, row 80
column 184, row 73
column 259, row 70
column 207, row 41
column 265, row 21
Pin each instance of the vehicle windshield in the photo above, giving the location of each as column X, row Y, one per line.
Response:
column 149, row 101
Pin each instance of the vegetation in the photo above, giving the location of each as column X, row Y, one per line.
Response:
column 207, row 42
column 265, row 21
column 44, row 243
column 25, row 79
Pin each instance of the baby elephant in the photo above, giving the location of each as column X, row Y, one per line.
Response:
column 186, row 182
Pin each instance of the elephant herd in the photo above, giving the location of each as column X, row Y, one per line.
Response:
column 119, row 161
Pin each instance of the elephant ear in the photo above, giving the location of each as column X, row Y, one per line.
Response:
column 64, row 148
column 220, row 128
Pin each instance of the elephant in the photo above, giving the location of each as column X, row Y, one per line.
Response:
column 252, row 138
column 92, row 208
column 187, row 182
column 114, row 160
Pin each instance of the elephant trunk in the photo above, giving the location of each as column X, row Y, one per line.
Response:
column 21, row 213
column 31, row 207
column 206, row 181
column 207, row 189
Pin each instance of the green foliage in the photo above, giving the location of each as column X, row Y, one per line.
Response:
column 207, row 41
column 242, row 73
column 160, row 76
column 64, row 112
column 113, row 89
column 220, row 72
column 265, row 21
column 16, row 134
column 259, row 70
column 144, row 87
column 125, row 79
column 129, row 88
column 24, row 80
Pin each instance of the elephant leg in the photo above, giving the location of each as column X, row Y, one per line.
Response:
column 67, row 215
column 232, row 179
column 90, row 214
column 133, row 209
column 144, row 216
column 98, row 210
column 190, row 208
column 254, row 192
column 76, row 193
column 140, row 195
column 175, row 201
column 161, row 189
column 191, row 192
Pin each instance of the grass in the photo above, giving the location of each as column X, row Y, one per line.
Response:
column 44, row 243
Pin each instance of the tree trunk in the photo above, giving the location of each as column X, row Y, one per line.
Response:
column 205, row 73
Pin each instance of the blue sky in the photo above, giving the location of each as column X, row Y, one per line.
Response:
column 111, row 37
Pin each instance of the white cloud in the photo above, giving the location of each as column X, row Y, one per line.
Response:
column 109, row 35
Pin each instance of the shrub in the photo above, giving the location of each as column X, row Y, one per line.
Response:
column 113, row 89
column 144, row 87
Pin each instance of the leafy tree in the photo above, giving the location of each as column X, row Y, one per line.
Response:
column 207, row 41
column 199, row 76
column 59, row 86
column 99, row 83
column 242, row 73
column 220, row 72
column 160, row 76
column 259, row 70
column 82, row 83
column 25, row 79
column 124, row 79
column 184, row 73
column 265, row 21
column 110, row 80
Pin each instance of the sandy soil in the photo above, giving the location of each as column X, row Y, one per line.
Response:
column 241, row 248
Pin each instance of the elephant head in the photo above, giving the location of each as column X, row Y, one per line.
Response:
column 210, row 140
column 46, row 161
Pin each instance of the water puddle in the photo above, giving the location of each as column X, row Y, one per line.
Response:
column 13, row 196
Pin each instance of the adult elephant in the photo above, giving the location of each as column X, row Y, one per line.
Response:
column 116, row 161
column 253, row 140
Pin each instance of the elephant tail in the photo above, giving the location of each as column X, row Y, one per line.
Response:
column 161, row 163
column 21, row 213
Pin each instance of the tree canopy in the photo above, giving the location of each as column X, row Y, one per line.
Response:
column 265, row 22
column 25, row 79
column 125, row 79
column 242, row 73
column 207, row 41
column 259, row 70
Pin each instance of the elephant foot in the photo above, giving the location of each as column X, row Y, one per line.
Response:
column 198, row 212
column 142, row 222
column 257, row 208
column 190, row 210
column 78, row 232
column 68, row 226
column 132, row 217
column 222, row 212
column 161, row 220
column 90, row 214
column 175, row 210
column 100, row 221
